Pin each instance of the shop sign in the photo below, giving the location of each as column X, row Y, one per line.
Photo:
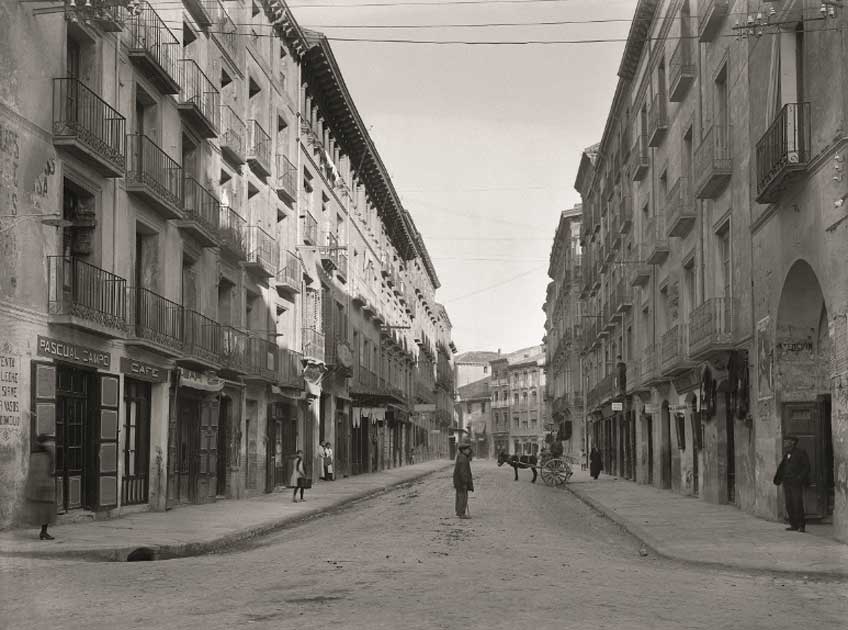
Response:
column 205, row 381
column 65, row 351
column 10, row 395
column 650, row 409
column 618, row 406
column 143, row 371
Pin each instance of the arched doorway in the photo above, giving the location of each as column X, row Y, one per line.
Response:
column 802, row 372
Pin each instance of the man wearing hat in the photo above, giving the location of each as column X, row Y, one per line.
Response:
column 794, row 474
column 462, row 480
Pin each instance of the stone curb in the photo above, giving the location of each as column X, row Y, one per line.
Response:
column 663, row 551
column 188, row 549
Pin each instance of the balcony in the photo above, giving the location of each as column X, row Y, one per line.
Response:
column 313, row 345
column 329, row 252
column 199, row 102
column 310, row 228
column 288, row 277
column 263, row 253
column 675, row 350
column 341, row 265
column 713, row 13
column 203, row 340
column 157, row 323
column 261, row 360
column 155, row 177
column 713, row 162
column 681, row 70
column 201, row 212
column 633, row 375
column 153, row 49
column 289, row 368
column 656, row 245
column 711, row 328
column 258, row 149
column 606, row 389
column 651, row 365
column 231, row 233
column 625, row 213
column 657, row 120
column 83, row 296
column 86, row 127
column 639, row 159
column 623, row 298
column 233, row 133
column 286, row 179
column 783, row 152
column 234, row 349
column 226, row 32
column 204, row 12
column 680, row 209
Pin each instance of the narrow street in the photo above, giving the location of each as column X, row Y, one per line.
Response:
column 531, row 556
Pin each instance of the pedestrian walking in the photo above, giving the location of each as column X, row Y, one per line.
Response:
column 462, row 480
column 794, row 474
column 299, row 480
column 322, row 454
column 41, row 485
column 328, row 462
column 595, row 463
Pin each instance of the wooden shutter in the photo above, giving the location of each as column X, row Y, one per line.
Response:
column 43, row 419
column 106, row 442
column 208, row 481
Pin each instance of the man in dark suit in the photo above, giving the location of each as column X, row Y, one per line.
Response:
column 794, row 474
column 462, row 480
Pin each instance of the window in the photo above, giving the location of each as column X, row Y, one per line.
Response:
column 515, row 422
column 533, row 422
column 483, row 407
column 689, row 283
column 485, row 369
column 468, row 407
column 724, row 258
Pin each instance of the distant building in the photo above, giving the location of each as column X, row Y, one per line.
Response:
column 473, row 366
column 519, row 412
column 474, row 412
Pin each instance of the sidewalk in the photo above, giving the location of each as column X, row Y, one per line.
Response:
column 689, row 529
column 196, row 529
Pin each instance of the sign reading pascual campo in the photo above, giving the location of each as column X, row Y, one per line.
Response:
column 65, row 351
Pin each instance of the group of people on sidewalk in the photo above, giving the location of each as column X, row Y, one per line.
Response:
column 300, row 481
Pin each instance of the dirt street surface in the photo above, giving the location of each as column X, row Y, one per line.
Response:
column 530, row 557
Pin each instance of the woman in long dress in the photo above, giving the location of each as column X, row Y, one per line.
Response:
column 328, row 461
column 595, row 463
column 298, row 477
column 41, row 486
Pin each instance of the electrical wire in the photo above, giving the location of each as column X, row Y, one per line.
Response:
column 494, row 286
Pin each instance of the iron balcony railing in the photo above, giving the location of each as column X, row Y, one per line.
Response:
column 147, row 35
column 200, row 205
column 234, row 348
column 261, row 357
column 313, row 344
column 203, row 337
column 656, row 239
column 633, row 374
column 226, row 31
column 231, row 231
column 639, row 160
column 711, row 325
column 258, row 147
column 81, row 115
column 233, row 132
column 157, row 319
column 675, row 347
column 289, row 273
column 680, row 208
column 289, row 368
column 657, row 120
column 681, row 69
column 262, row 249
column 199, row 92
column 650, row 364
column 711, row 14
column 713, row 162
column 155, row 170
column 286, row 177
column 784, row 148
column 310, row 228
column 78, row 289
column 204, row 12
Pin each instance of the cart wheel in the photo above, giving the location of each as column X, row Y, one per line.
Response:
column 549, row 475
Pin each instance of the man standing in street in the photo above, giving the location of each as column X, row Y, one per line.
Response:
column 794, row 474
column 462, row 481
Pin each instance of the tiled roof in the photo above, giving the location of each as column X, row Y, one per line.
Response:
column 477, row 389
column 476, row 356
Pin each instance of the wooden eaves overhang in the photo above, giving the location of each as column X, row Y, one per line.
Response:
column 286, row 27
column 325, row 82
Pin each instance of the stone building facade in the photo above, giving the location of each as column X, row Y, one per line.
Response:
column 474, row 414
column 187, row 232
column 472, row 366
column 563, row 326
column 519, row 413
column 713, row 283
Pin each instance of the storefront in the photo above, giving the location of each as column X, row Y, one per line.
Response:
column 281, row 440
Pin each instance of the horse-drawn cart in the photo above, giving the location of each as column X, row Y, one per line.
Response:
column 555, row 470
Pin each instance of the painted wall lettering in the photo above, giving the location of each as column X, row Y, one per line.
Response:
column 10, row 395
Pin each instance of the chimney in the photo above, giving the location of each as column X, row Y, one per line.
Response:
column 499, row 352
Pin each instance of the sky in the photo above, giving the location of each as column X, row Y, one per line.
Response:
column 482, row 142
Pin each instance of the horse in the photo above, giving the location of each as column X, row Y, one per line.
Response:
column 518, row 461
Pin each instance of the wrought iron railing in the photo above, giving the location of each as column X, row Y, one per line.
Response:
column 289, row 272
column 286, row 175
column 679, row 205
column 262, row 249
column 258, row 144
column 147, row 32
column 712, row 323
column 81, row 114
column 79, row 289
column 155, row 169
column 650, row 363
column 313, row 344
column 198, row 90
column 681, row 66
column 203, row 336
column 231, row 231
column 639, row 160
column 310, row 228
column 675, row 347
column 156, row 318
column 233, row 132
column 200, row 204
column 262, row 357
column 234, row 348
column 657, row 118
column 713, row 154
column 226, row 31
column 785, row 144
column 289, row 367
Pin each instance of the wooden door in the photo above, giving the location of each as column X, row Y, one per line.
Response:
column 75, row 400
column 270, row 446
column 207, row 450
column 806, row 421
column 221, row 462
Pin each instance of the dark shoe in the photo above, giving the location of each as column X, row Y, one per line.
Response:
column 802, row 529
column 45, row 536
column 791, row 529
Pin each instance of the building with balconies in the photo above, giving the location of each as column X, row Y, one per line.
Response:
column 521, row 417
column 729, row 259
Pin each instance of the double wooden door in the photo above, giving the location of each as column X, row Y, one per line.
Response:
column 811, row 422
